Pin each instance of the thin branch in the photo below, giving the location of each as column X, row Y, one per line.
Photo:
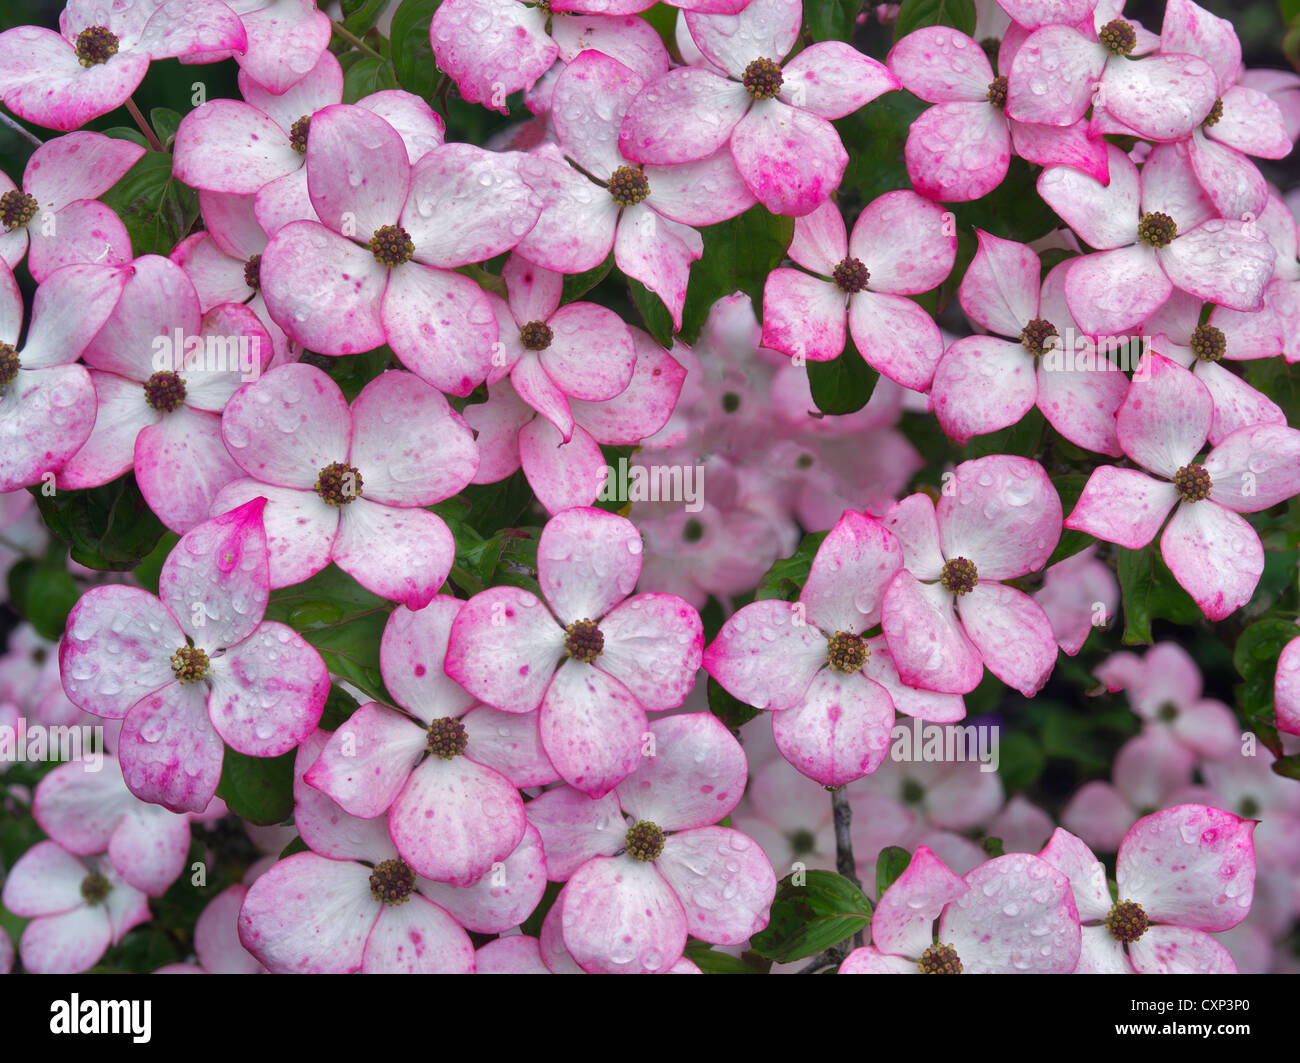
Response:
column 844, row 862
column 145, row 128
column 23, row 132
column 354, row 40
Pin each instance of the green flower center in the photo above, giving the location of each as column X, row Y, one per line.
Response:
column 762, row 78
column 1192, row 483
column 940, row 959
column 628, row 186
column 1035, row 335
column 392, row 245
column 339, row 484
column 17, row 208
column 392, row 881
column 1168, row 713
column 998, row 93
column 644, row 841
column 95, row 888
column 846, row 652
column 1127, row 921
column 692, row 531
column 802, row 842
column 9, row 366
column 1249, row 808
column 164, row 391
column 730, row 402
column 95, row 45
column 536, row 336
column 913, row 792
column 1216, row 112
column 447, row 738
column 851, row 275
column 253, row 272
column 1209, row 343
column 959, row 576
column 298, row 134
column 583, row 640
column 189, row 664
column 1157, row 229
column 1118, row 37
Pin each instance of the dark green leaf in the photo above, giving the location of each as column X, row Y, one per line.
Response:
column 339, row 707
column 1014, row 210
column 110, row 528
column 874, row 137
column 156, row 209
column 658, row 321
column 738, row 256
column 711, row 961
column 916, row 14
column 149, row 571
column 844, row 385
column 891, row 863
column 1070, row 487
column 832, row 20
column 1020, row 761
column 368, row 74
column 260, row 789
column 43, row 595
column 786, row 577
column 576, row 285
column 806, row 919
column 728, row 708
column 360, row 16
column 165, row 122
column 412, row 50
column 343, row 620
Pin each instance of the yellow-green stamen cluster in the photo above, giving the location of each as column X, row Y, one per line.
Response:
column 95, row 888
column 164, row 391
column 9, row 366
column 339, row 484
column 851, row 275
column 253, row 272
column 1157, row 229
column 17, row 208
column 536, row 336
column 1209, row 343
column 940, row 959
column 959, row 576
column 644, row 841
column 1192, row 483
column 189, row 664
column 392, row 245
column 1117, row 37
column 846, row 652
column 1216, row 112
column 762, row 78
column 1126, row 921
column 298, row 134
column 998, row 93
column 96, row 45
column 392, row 881
column 1034, row 336
column 583, row 640
column 447, row 738
column 628, row 186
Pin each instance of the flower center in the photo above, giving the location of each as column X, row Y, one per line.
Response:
column 95, row 888
column 644, row 841
column 628, row 186
column 1216, row 112
column 392, row 245
column 1157, row 229
column 583, row 640
column 1127, row 921
column 17, row 208
column 692, row 531
column 189, row 664
column 940, row 959
column 1168, row 713
column 762, row 78
column 447, row 738
column 536, row 336
column 851, row 275
column 1192, row 483
column 253, row 272
column 959, row 576
column 339, row 484
column 164, row 391
column 392, row 881
column 846, row 652
column 1035, row 335
column 9, row 366
column 998, row 93
column 298, row 134
column 1118, row 37
column 95, row 45
column 913, row 792
column 730, row 402
column 1209, row 343
column 1249, row 808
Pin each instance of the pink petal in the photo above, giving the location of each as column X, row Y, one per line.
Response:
column 982, row 384
column 230, row 146
column 840, row 731
column 791, row 159
column 929, row 646
column 621, row 916
column 575, row 827
column 1166, row 417
column 1177, row 950
column 400, row 554
column 504, row 897
column 766, row 655
column 1012, row 633
column 723, row 880
column 417, row 937
column 1160, row 97
column 685, row 115
column 1053, row 75
column 1104, row 216
column 896, row 336
column 592, row 728
column 803, row 316
column 1215, row 555
column 903, row 922
column 941, row 65
column 1000, row 288
column 833, row 79
column 1017, row 520
column 1111, row 291
column 169, row 752
column 357, row 173
column 503, row 648
column 958, row 151
column 1122, row 506
column 367, row 760
column 588, row 562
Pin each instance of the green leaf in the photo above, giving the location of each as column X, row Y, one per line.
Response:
column 1070, row 487
column 832, row 20
column 1288, row 767
column 412, row 50
column 874, row 137
column 260, row 789
column 786, row 577
column 149, row 571
column 352, row 372
column 343, row 620
column 728, row 708
column 658, row 321
column 156, row 209
column 1255, row 658
column 738, row 256
column 711, row 961
column 809, row 918
column 916, row 14
column 110, row 528
column 165, row 122
column 1014, row 210
column 891, row 863
column 44, row 595
column 1020, row 761
column 1024, row 438
column 367, row 74
column 360, row 16
column 576, row 285
column 844, row 385
column 339, row 707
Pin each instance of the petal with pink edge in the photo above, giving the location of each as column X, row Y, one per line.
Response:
column 840, row 731
column 169, row 752
column 1012, row 633
column 1215, row 555
column 621, row 916
column 653, row 645
column 791, row 159
column 724, row 881
column 1122, row 506
column 400, row 554
column 930, row 648
column 903, row 923
column 592, row 728
column 695, row 777
column 766, row 654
